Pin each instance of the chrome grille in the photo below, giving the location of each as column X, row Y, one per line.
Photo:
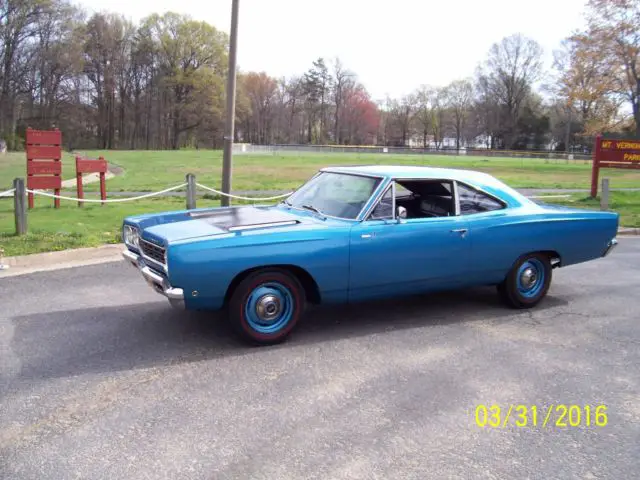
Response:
column 152, row 251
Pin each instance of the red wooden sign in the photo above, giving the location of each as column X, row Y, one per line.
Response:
column 44, row 183
column 44, row 151
column 613, row 154
column 84, row 165
column 44, row 168
column 44, row 157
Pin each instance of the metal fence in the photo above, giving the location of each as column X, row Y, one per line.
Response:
column 248, row 148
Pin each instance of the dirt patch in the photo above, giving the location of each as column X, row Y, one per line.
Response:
column 115, row 169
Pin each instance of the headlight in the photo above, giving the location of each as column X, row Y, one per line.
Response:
column 131, row 236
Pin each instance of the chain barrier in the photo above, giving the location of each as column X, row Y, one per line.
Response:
column 242, row 198
column 204, row 187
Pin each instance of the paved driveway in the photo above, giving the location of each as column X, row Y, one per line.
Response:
column 102, row 379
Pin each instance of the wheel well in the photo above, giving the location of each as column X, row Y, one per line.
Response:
column 554, row 258
column 308, row 283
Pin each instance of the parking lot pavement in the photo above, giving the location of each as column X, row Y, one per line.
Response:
column 102, row 379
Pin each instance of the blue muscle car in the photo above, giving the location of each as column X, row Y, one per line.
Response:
column 357, row 233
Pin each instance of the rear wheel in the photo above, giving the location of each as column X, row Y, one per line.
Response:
column 266, row 306
column 527, row 282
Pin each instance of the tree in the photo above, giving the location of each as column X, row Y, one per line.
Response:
column 261, row 91
column 512, row 67
column 317, row 85
column 107, row 45
column 342, row 81
column 400, row 119
column 438, row 115
column 459, row 99
column 584, row 85
column 192, row 59
column 18, row 25
column 359, row 116
column 423, row 116
column 614, row 28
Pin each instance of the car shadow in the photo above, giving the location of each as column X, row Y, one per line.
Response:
column 110, row 339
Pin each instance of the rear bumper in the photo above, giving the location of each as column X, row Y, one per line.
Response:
column 611, row 245
column 160, row 284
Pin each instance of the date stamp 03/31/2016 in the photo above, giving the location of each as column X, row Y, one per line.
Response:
column 532, row 416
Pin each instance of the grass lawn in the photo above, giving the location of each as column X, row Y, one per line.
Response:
column 156, row 170
column 51, row 229
column 627, row 204
column 92, row 225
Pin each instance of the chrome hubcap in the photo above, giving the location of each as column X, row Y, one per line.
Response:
column 268, row 307
column 528, row 277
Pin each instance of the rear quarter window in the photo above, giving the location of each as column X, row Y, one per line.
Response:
column 474, row 201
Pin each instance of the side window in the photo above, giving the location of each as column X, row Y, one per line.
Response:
column 472, row 201
column 384, row 209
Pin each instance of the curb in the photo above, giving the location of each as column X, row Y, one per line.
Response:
column 63, row 256
column 41, row 262
column 628, row 231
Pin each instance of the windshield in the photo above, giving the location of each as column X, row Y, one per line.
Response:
column 335, row 194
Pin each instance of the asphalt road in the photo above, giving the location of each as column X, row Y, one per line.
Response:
column 102, row 379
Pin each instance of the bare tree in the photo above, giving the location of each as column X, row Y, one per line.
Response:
column 342, row 80
column 459, row 99
column 424, row 96
column 512, row 67
column 614, row 28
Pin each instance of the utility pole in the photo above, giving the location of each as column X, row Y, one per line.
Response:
column 231, row 104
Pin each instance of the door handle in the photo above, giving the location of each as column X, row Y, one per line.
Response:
column 365, row 235
column 461, row 231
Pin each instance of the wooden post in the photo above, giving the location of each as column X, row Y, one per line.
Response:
column 595, row 167
column 79, row 186
column 604, row 197
column 191, row 191
column 103, row 186
column 19, row 206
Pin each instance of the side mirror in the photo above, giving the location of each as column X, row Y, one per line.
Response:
column 401, row 212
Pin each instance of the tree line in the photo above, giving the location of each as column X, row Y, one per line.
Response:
column 108, row 83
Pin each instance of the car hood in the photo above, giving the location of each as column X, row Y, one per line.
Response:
column 184, row 225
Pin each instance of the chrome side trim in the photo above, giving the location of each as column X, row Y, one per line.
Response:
column 611, row 245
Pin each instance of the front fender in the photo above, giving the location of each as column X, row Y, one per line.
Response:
column 205, row 269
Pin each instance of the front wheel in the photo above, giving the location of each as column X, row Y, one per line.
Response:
column 266, row 306
column 527, row 282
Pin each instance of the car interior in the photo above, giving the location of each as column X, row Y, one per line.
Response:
column 421, row 199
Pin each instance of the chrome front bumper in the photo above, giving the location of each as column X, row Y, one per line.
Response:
column 611, row 244
column 157, row 282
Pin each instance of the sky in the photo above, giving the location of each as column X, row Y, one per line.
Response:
column 393, row 47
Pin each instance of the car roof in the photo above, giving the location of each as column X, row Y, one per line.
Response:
column 480, row 180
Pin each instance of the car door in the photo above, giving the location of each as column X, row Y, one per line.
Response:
column 401, row 256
